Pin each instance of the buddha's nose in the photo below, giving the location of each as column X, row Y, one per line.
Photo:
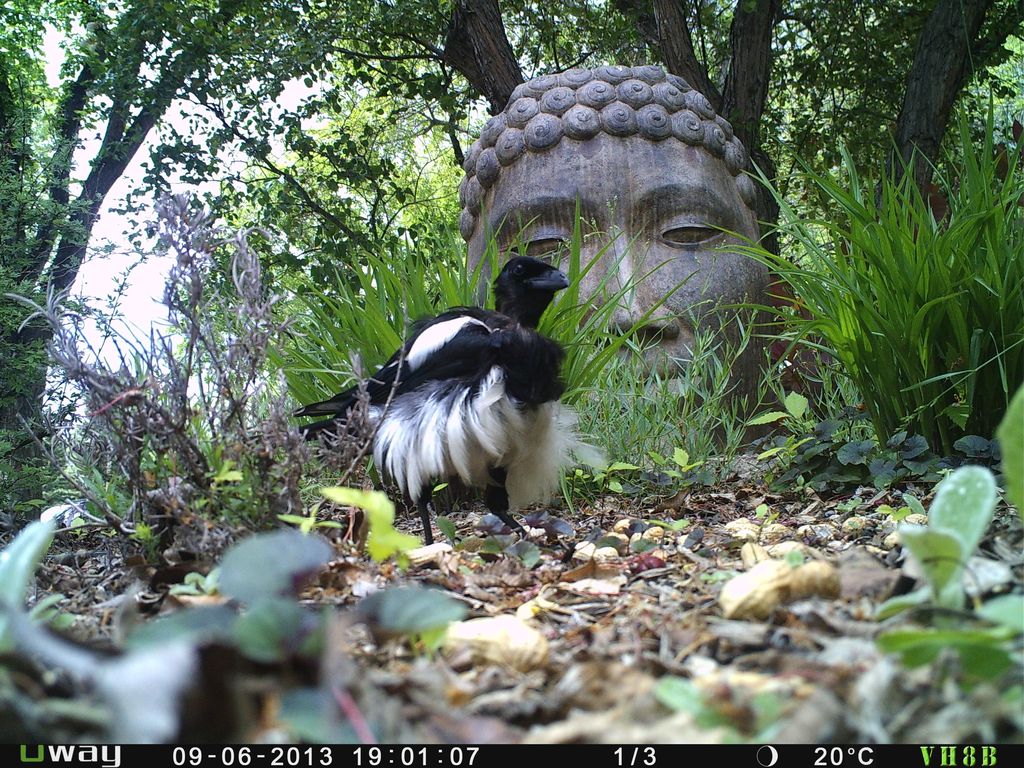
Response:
column 651, row 325
column 636, row 303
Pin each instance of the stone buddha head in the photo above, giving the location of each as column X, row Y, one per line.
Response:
column 658, row 179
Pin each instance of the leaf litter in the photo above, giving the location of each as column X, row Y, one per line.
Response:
column 629, row 640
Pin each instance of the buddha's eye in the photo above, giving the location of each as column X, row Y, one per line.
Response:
column 689, row 235
column 545, row 248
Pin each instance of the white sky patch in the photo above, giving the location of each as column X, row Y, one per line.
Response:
column 112, row 259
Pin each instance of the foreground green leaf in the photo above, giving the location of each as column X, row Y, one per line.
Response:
column 408, row 610
column 384, row 540
column 271, row 564
column 1011, row 442
column 18, row 563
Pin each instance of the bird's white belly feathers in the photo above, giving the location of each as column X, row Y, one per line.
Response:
column 442, row 429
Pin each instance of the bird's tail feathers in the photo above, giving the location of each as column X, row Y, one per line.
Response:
column 536, row 473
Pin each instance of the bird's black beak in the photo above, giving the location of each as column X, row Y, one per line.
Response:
column 555, row 280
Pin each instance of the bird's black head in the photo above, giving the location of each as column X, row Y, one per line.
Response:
column 525, row 287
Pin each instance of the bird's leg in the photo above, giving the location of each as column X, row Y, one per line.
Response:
column 422, row 504
column 496, row 499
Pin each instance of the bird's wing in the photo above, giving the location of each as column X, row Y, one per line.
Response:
column 454, row 344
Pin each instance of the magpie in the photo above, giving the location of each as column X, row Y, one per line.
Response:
column 474, row 396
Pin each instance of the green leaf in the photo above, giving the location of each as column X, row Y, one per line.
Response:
column 384, row 540
column 974, row 447
column 680, row 695
column 771, row 452
column 796, row 405
column 958, row 413
column 1011, row 442
column 942, row 559
column 226, row 474
column 767, row 418
column 914, row 503
column 526, row 551
column 982, row 652
column 202, row 624
column 855, row 452
column 963, row 506
column 18, row 562
column 901, row 603
column 293, row 519
column 1013, row 702
column 46, row 611
column 272, row 629
column 447, row 527
column 895, row 514
column 681, row 458
column 913, row 447
column 405, row 610
column 271, row 564
column 308, row 715
column 1006, row 611
column 621, row 466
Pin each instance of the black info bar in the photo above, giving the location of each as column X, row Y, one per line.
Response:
column 485, row 756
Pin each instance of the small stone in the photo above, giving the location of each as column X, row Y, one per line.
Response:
column 584, row 551
column 751, row 554
column 783, row 548
column 622, row 526
column 742, row 528
column 432, row 553
column 915, row 518
column 604, row 554
column 654, row 533
column 771, row 583
column 855, row 524
column 817, row 533
column 503, row 640
column 773, row 533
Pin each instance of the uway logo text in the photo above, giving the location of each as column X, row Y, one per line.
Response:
column 105, row 756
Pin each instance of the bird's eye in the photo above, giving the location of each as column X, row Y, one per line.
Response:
column 517, row 270
column 545, row 248
column 689, row 235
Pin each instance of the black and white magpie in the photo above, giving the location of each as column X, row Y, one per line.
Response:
column 475, row 399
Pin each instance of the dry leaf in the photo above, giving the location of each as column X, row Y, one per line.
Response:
column 771, row 583
column 503, row 640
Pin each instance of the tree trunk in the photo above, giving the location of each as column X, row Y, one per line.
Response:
column 478, row 47
column 677, row 50
column 746, row 90
column 942, row 64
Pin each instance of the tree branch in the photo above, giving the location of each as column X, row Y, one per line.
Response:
column 68, row 128
column 477, row 46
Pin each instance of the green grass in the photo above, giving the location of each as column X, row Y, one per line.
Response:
column 926, row 317
column 632, row 413
column 365, row 314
